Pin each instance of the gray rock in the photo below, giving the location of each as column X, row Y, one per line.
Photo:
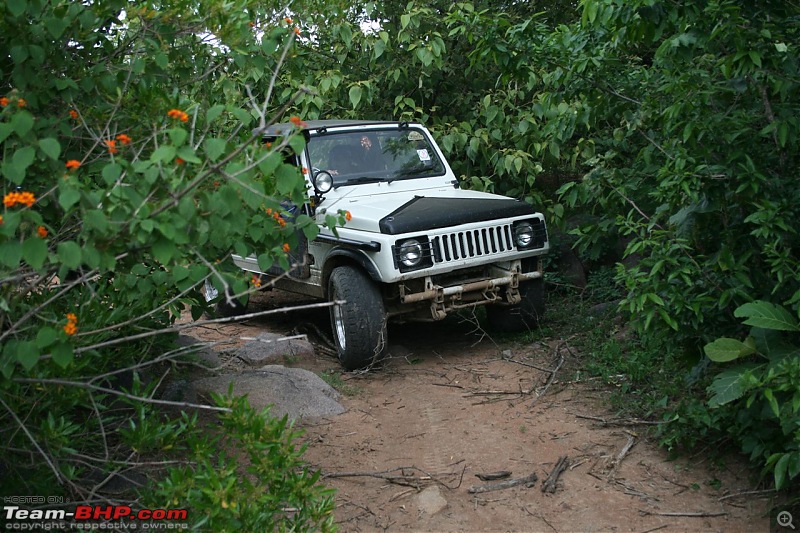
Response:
column 200, row 351
column 295, row 392
column 430, row 501
column 270, row 347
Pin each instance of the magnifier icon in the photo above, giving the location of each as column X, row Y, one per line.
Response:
column 785, row 519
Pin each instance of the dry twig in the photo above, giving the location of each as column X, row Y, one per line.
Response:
column 549, row 484
column 528, row 481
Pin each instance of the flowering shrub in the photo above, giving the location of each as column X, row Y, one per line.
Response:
column 128, row 170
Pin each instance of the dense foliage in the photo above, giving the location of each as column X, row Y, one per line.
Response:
column 667, row 128
column 129, row 172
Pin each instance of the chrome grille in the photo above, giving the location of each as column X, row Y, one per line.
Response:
column 472, row 243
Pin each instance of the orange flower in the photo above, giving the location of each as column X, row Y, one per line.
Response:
column 268, row 145
column 287, row 20
column 71, row 326
column 4, row 101
column 13, row 198
column 1, row 220
column 73, row 114
column 178, row 114
column 347, row 216
column 269, row 211
column 252, row 24
column 42, row 231
column 282, row 222
column 305, row 170
column 73, row 164
column 296, row 31
column 21, row 102
column 297, row 121
column 123, row 138
column 286, row 247
column 112, row 146
column 179, row 161
column 256, row 281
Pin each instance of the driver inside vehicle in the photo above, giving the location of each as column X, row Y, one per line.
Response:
column 351, row 158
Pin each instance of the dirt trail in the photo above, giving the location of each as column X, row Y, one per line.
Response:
column 448, row 405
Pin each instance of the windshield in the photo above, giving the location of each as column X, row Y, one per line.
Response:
column 369, row 156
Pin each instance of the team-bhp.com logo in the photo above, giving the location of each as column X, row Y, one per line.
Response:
column 94, row 517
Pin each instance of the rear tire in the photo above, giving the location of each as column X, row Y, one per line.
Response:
column 359, row 325
column 523, row 316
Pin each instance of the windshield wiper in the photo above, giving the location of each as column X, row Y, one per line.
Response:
column 358, row 180
column 409, row 174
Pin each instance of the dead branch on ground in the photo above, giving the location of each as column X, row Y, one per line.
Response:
column 549, row 484
column 699, row 514
column 528, row 481
column 399, row 476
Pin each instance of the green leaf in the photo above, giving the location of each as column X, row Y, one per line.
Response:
column 27, row 354
column 163, row 250
column 726, row 387
column 111, row 173
column 214, row 113
column 187, row 154
column 178, row 136
column 355, row 95
column 5, row 131
column 62, row 354
column 56, row 26
column 68, row 197
column 22, row 121
column 34, row 252
column 23, row 157
column 10, row 254
column 164, row 154
column 51, row 147
column 214, row 147
column 46, row 337
column 773, row 402
column 725, row 349
column 780, row 471
column 762, row 314
column 69, row 253
column 16, row 7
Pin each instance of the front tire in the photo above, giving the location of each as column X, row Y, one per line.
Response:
column 359, row 325
column 523, row 316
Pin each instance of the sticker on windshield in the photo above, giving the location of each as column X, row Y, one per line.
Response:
column 423, row 155
column 415, row 136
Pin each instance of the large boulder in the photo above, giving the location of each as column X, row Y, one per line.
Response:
column 295, row 392
column 270, row 348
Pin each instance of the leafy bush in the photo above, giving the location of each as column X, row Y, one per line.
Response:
column 761, row 390
column 129, row 172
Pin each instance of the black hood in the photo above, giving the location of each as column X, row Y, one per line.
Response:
column 424, row 213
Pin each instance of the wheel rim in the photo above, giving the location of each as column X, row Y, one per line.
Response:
column 338, row 324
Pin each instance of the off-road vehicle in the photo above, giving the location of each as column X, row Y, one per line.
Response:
column 415, row 245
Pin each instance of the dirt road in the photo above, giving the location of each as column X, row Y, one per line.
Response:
column 450, row 404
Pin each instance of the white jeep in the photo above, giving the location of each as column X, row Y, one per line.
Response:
column 415, row 244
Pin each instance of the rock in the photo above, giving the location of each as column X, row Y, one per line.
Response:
column 295, row 392
column 269, row 347
column 602, row 308
column 430, row 501
column 202, row 353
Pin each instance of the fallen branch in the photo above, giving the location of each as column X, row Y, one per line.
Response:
column 746, row 493
column 400, row 478
column 619, row 421
column 699, row 514
column 621, row 455
column 494, row 476
column 549, row 484
column 528, row 481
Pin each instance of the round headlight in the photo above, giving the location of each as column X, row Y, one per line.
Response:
column 323, row 181
column 410, row 253
column 523, row 235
